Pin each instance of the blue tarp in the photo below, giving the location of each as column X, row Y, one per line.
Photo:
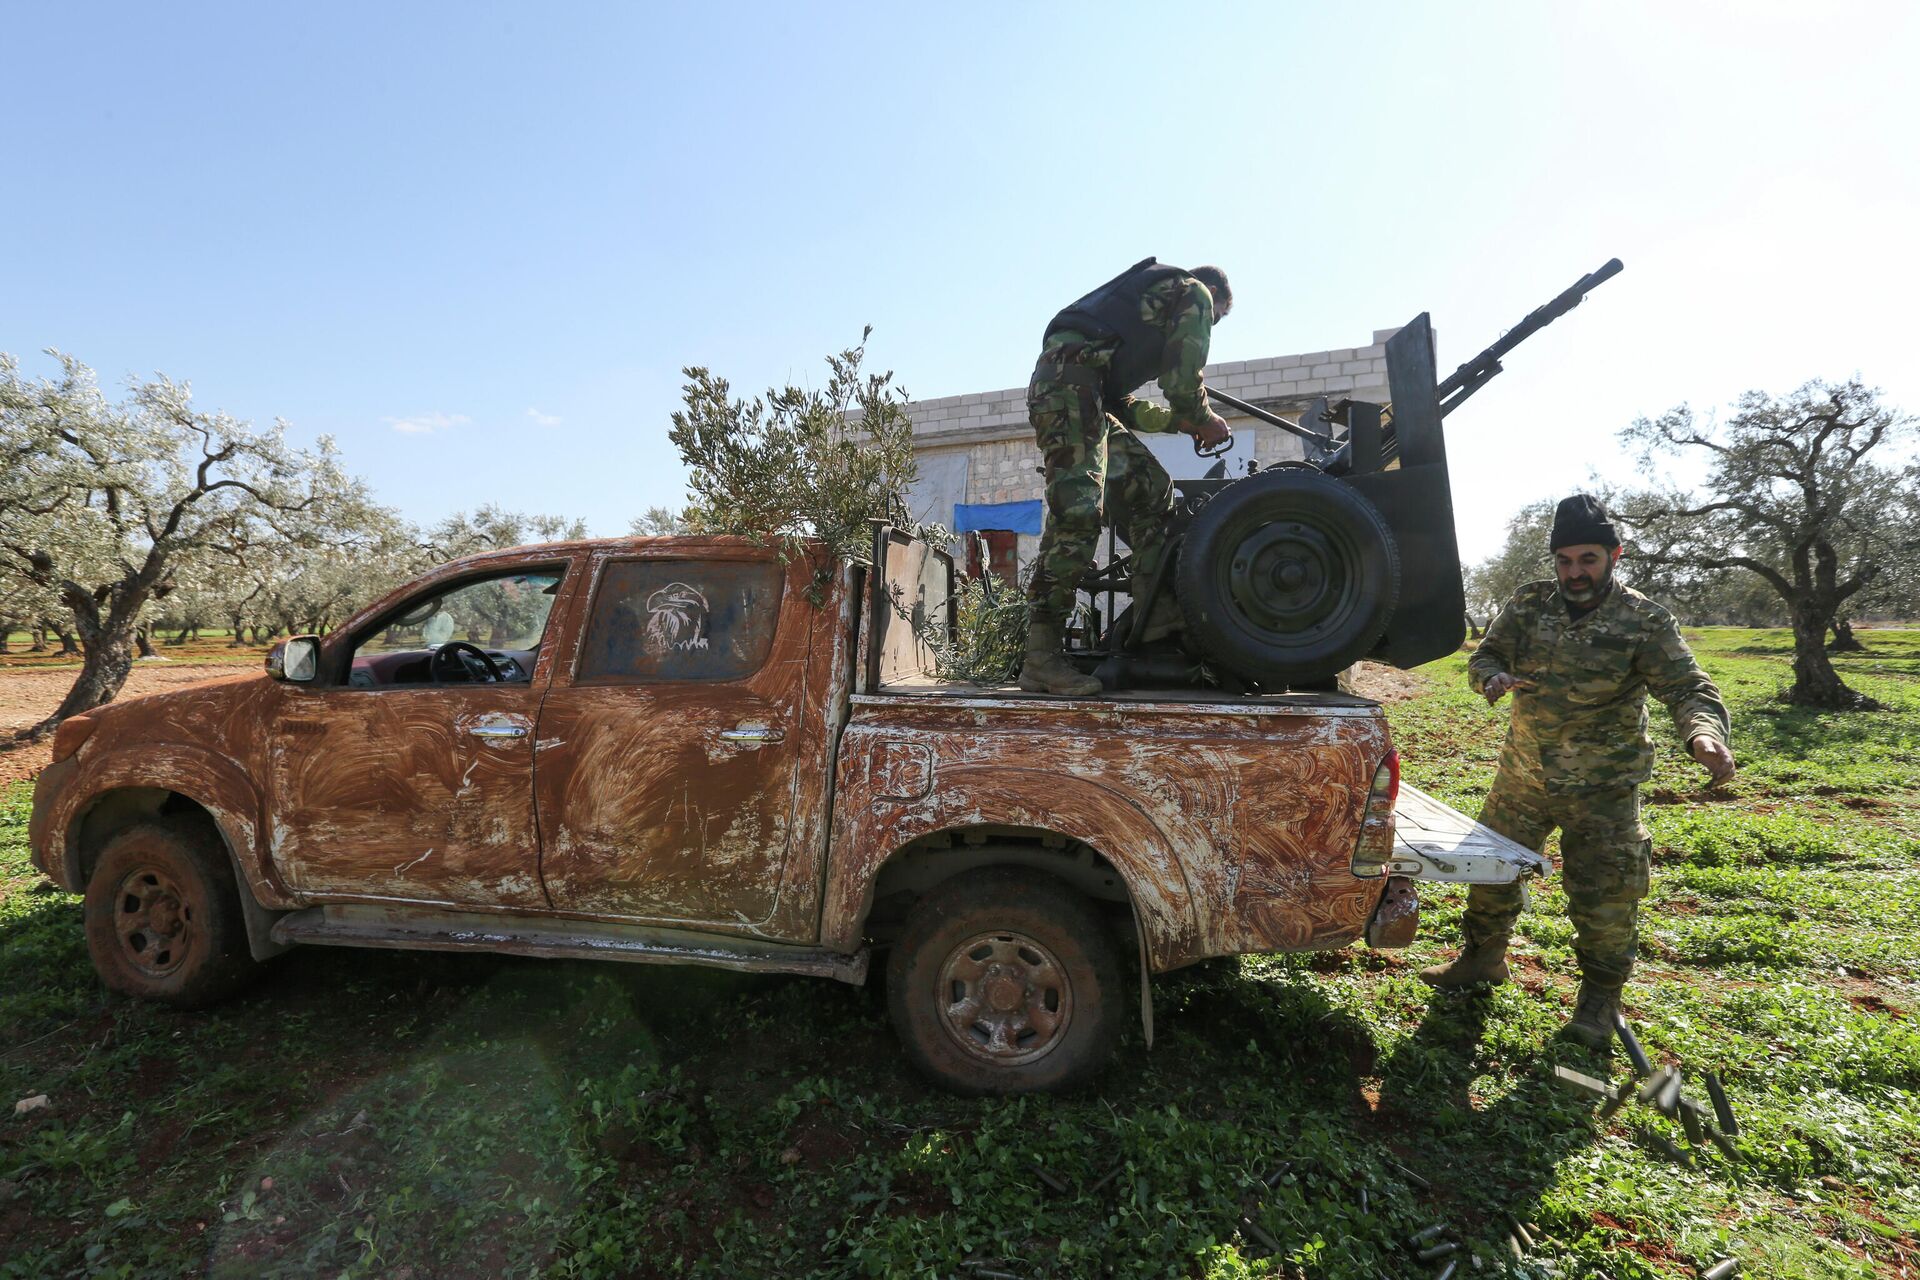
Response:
column 1019, row 517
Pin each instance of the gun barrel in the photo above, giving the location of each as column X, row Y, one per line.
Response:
column 1472, row 375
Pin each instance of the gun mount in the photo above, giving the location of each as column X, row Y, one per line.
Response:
column 1291, row 574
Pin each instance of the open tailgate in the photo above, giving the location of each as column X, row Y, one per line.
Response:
column 1434, row 841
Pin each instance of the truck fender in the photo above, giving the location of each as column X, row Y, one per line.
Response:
column 213, row 782
column 870, row 829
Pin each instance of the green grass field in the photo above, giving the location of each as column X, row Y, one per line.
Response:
column 393, row 1115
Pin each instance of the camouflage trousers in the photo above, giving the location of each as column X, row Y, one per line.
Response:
column 1097, row 473
column 1604, row 862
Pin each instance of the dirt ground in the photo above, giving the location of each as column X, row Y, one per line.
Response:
column 1386, row 684
column 27, row 697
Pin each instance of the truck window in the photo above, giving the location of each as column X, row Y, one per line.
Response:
column 668, row 620
column 505, row 615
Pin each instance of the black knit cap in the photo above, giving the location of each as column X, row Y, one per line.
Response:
column 1582, row 519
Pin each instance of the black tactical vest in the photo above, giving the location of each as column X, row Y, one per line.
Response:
column 1113, row 311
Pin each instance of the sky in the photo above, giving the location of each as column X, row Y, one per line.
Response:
column 477, row 244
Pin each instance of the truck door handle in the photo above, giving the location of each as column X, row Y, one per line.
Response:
column 498, row 729
column 753, row 733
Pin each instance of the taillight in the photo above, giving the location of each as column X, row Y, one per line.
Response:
column 73, row 731
column 1390, row 768
column 1374, row 849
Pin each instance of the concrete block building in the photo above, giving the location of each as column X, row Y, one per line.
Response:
column 980, row 469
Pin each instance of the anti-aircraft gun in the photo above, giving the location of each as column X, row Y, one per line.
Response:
column 1292, row 573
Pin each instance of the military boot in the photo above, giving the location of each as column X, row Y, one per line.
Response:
column 1479, row 963
column 1592, row 1023
column 1046, row 670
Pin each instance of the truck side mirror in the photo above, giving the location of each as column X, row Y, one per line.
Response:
column 296, row 659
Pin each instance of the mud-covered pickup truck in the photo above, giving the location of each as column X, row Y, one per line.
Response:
column 694, row 750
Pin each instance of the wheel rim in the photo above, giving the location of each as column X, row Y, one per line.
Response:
column 1291, row 581
column 1005, row 998
column 155, row 921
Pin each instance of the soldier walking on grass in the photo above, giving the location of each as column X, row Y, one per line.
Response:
column 1150, row 321
column 1579, row 654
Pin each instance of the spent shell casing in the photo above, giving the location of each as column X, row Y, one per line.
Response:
column 1446, row 1272
column 1721, row 1111
column 1110, row 1175
column 1363, row 1200
column 1259, row 1235
column 1690, row 1113
column 1286, row 1167
column 1664, row 1145
column 1635, row 1054
column 1425, row 1234
column 1410, row 1176
column 1520, row 1232
column 1655, row 1083
column 1513, row 1247
column 1669, row 1099
column 1618, row 1098
column 1580, row 1082
column 1721, row 1270
column 1436, row 1252
column 1053, row 1184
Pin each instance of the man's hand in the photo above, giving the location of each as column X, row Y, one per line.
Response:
column 1498, row 685
column 1211, row 432
column 1714, row 754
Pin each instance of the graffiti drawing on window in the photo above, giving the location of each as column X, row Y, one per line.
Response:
column 664, row 620
column 676, row 620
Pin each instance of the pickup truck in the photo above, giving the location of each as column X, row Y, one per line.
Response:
column 706, row 751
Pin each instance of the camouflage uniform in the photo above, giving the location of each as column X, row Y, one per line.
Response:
column 1097, row 469
column 1577, row 751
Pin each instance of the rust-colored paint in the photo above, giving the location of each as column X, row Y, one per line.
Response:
column 683, row 802
column 759, row 807
column 1397, row 918
column 1233, row 824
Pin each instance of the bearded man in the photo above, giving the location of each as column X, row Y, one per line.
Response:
column 1580, row 653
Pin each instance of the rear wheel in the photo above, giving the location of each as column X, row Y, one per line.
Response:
column 1005, row 980
column 163, row 916
column 1287, row 577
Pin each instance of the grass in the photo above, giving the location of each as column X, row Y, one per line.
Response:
column 385, row 1114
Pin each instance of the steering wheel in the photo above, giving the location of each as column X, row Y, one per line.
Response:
column 472, row 662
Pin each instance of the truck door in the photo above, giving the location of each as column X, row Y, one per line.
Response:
column 672, row 753
column 408, row 774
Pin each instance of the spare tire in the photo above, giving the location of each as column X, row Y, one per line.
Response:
column 1287, row 577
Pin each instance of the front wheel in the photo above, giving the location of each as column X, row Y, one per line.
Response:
column 1005, row 980
column 163, row 916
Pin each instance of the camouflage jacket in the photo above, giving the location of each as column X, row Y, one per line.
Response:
column 1183, row 310
column 1584, row 723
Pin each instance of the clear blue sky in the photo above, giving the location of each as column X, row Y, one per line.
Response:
column 514, row 224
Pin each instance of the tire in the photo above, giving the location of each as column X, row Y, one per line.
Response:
column 163, row 916
column 1341, row 577
column 1005, row 980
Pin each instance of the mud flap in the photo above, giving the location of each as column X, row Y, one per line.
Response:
column 1434, row 841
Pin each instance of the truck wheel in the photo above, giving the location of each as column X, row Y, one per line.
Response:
column 163, row 916
column 1004, row 980
column 1287, row 577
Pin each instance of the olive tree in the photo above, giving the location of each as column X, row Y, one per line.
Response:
column 103, row 502
column 1799, row 491
column 798, row 462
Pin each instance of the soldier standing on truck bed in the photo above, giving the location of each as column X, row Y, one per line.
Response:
column 1150, row 321
column 1579, row 655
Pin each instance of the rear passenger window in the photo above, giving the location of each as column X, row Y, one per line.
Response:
column 661, row 620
